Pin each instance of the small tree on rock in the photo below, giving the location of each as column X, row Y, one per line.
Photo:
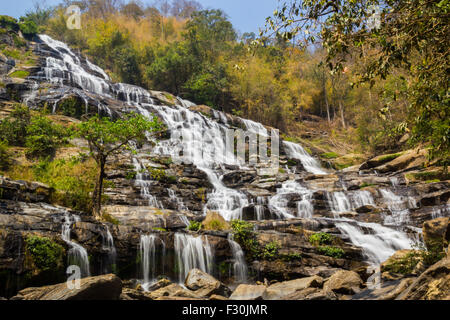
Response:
column 106, row 137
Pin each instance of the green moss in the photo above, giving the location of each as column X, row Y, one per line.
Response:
column 160, row 229
column 22, row 74
column 390, row 157
column 216, row 225
column 46, row 254
column 333, row 252
column 365, row 185
column 291, row 256
column 329, row 155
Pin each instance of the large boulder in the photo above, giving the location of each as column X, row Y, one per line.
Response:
column 436, row 233
column 279, row 290
column 24, row 190
column 172, row 290
column 205, row 285
column 387, row 291
column 248, row 292
column 433, row 284
column 408, row 160
column 106, row 287
column 344, row 282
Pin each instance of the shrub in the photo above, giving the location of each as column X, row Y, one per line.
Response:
column 270, row 250
column 28, row 27
column 9, row 23
column 321, row 238
column 333, row 252
column 245, row 236
column 44, row 137
column 194, row 226
column 46, row 254
column 13, row 129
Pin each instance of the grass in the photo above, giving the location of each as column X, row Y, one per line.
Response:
column 329, row 155
column 12, row 53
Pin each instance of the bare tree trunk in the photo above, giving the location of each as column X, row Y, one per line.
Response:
column 341, row 109
column 325, row 95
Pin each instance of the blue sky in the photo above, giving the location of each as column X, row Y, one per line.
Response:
column 246, row 15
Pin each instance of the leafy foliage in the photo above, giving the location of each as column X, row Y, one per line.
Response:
column 333, row 252
column 321, row 238
column 43, row 137
column 47, row 255
column 194, row 225
column 106, row 137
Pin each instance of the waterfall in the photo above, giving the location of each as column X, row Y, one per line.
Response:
column 143, row 182
column 296, row 151
column 77, row 255
column 378, row 243
column 278, row 204
column 398, row 206
column 192, row 252
column 147, row 250
column 176, row 200
column 240, row 270
column 341, row 202
column 108, row 246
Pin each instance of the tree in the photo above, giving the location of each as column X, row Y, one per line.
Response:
column 407, row 34
column 106, row 137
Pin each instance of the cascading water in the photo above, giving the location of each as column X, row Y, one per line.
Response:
column 296, row 151
column 398, row 206
column 143, row 182
column 341, row 202
column 192, row 252
column 240, row 270
column 108, row 246
column 147, row 250
column 77, row 255
column 278, row 204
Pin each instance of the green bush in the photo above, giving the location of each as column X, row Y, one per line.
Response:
column 270, row 250
column 28, row 27
column 13, row 129
column 44, row 137
column 245, row 236
column 333, row 252
column 194, row 226
column 321, row 238
column 47, row 255
column 9, row 23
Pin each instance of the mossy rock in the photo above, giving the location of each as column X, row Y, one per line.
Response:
column 20, row 74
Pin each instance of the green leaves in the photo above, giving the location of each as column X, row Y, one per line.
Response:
column 106, row 136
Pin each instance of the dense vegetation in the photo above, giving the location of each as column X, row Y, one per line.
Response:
column 197, row 54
